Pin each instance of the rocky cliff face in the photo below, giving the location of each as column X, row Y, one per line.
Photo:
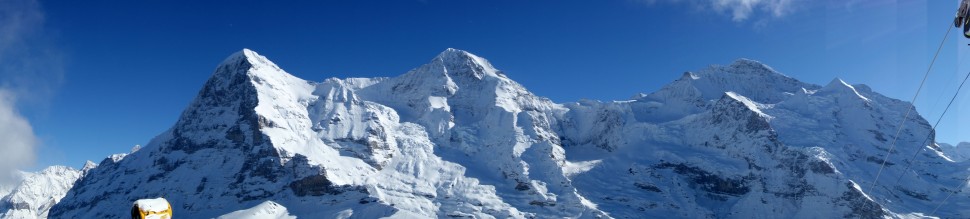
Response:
column 458, row 138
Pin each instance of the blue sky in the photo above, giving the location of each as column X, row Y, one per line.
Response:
column 117, row 73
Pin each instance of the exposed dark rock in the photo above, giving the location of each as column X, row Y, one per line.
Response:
column 313, row 186
column 201, row 185
column 878, row 160
column 522, row 186
column 913, row 194
column 647, row 187
column 543, row 203
column 820, row 167
column 861, row 206
column 878, row 135
column 708, row 181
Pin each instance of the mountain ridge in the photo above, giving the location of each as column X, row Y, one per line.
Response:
column 457, row 137
column 36, row 192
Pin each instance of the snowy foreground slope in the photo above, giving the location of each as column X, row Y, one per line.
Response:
column 457, row 138
column 266, row 210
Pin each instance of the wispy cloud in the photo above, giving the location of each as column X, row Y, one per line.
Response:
column 740, row 10
column 31, row 65
column 31, row 69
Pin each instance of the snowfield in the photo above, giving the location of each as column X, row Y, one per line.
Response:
column 458, row 138
column 265, row 210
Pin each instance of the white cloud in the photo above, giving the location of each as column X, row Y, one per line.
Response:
column 30, row 70
column 17, row 140
column 739, row 10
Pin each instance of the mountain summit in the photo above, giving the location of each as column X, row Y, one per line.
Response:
column 458, row 138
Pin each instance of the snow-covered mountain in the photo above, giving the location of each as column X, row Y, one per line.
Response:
column 958, row 153
column 34, row 193
column 458, row 138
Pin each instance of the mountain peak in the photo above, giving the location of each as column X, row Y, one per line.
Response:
column 245, row 53
column 37, row 192
column 837, row 85
column 247, row 66
column 56, row 168
column 248, row 58
column 456, row 61
column 746, row 77
column 226, row 107
column 88, row 165
column 750, row 66
column 452, row 55
column 689, row 76
column 453, row 52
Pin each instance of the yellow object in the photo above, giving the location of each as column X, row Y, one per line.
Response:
column 158, row 208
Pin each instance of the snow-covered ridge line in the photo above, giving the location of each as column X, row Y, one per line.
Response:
column 456, row 137
column 751, row 105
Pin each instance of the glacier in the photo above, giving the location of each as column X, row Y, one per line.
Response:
column 457, row 137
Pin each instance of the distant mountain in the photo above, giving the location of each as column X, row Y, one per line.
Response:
column 34, row 193
column 458, row 138
column 958, row 153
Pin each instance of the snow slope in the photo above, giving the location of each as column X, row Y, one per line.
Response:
column 458, row 138
column 266, row 210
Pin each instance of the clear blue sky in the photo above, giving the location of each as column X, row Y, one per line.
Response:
column 130, row 67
